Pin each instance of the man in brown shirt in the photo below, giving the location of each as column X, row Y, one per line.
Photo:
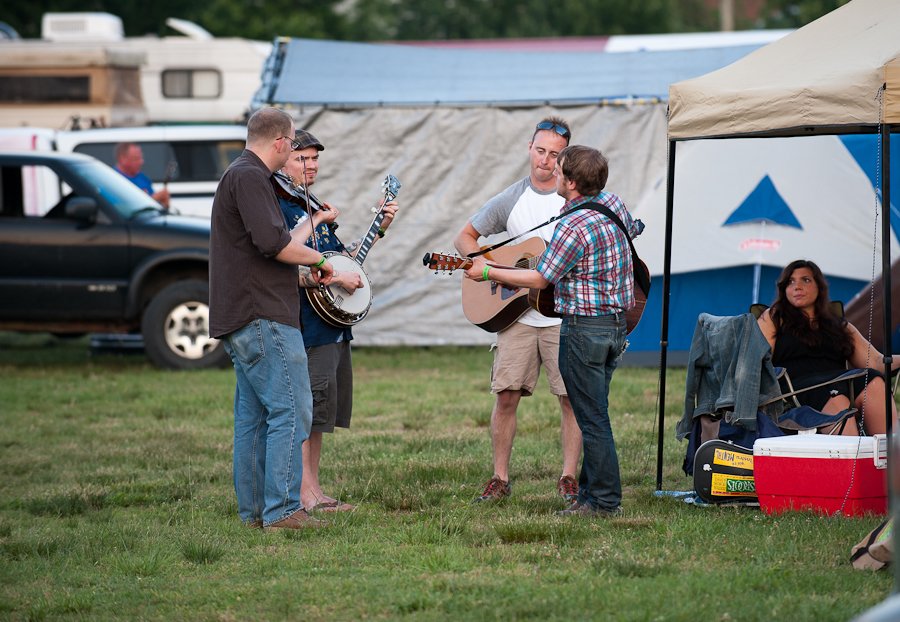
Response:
column 255, row 309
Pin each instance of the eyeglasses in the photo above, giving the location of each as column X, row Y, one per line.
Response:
column 295, row 146
column 556, row 127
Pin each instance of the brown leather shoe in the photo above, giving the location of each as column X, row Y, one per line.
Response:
column 256, row 523
column 298, row 520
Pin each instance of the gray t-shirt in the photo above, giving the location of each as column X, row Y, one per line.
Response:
column 246, row 282
column 516, row 210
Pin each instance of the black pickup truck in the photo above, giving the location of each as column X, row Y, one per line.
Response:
column 82, row 250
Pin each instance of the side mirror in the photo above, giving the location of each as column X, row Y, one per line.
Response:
column 83, row 209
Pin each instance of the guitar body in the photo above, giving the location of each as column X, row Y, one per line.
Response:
column 543, row 300
column 491, row 306
column 333, row 303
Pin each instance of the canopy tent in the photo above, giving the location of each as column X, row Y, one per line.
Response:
column 839, row 74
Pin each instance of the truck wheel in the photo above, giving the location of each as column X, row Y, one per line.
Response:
column 175, row 327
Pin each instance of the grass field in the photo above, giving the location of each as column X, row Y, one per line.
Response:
column 116, row 502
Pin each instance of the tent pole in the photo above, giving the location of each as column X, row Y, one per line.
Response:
column 887, row 289
column 886, row 265
column 664, row 328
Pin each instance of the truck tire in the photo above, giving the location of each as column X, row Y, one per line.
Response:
column 175, row 327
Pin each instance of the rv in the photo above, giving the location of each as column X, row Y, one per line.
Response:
column 56, row 85
column 84, row 72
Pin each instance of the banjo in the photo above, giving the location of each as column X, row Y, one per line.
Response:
column 332, row 302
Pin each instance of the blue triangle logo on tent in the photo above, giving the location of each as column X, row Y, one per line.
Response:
column 764, row 204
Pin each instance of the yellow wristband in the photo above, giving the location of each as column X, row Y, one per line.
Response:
column 320, row 263
column 484, row 273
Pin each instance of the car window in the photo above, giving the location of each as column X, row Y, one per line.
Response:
column 28, row 191
column 176, row 161
column 109, row 187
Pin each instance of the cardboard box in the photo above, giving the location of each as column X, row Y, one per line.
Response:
column 827, row 474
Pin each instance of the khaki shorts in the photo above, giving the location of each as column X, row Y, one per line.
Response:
column 521, row 350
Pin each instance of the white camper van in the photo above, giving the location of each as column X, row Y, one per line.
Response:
column 188, row 159
column 84, row 70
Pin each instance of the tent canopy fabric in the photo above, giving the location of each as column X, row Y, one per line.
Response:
column 365, row 74
column 823, row 78
column 822, row 207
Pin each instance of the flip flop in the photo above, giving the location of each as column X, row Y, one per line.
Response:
column 332, row 506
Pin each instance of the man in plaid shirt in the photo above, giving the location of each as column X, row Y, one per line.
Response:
column 589, row 263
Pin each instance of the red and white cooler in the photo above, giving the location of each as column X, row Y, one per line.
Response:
column 827, row 474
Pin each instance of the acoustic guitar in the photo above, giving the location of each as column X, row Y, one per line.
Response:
column 543, row 300
column 493, row 307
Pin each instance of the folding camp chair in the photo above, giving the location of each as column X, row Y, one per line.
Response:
column 837, row 307
column 778, row 411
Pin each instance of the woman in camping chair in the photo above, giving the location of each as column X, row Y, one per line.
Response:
column 813, row 345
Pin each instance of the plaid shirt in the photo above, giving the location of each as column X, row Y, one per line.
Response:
column 589, row 259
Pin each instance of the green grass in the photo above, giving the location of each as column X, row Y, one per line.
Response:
column 116, row 502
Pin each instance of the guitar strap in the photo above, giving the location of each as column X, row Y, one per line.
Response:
column 484, row 251
column 641, row 273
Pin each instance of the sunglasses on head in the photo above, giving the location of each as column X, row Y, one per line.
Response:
column 556, row 127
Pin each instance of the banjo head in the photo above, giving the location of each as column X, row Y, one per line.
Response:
column 333, row 303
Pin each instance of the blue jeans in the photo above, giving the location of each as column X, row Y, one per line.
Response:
column 272, row 418
column 589, row 351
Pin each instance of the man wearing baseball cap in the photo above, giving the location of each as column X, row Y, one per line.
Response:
column 327, row 346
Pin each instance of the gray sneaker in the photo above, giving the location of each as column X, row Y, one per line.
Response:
column 583, row 509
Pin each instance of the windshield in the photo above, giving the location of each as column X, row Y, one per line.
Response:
column 95, row 179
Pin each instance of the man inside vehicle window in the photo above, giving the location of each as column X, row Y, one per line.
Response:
column 130, row 162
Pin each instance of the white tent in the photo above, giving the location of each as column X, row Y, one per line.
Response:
column 744, row 208
column 839, row 74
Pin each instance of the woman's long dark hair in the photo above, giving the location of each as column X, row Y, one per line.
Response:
column 827, row 327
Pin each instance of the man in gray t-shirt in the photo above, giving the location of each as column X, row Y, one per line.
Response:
column 532, row 340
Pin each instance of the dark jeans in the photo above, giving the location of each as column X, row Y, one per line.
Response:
column 589, row 351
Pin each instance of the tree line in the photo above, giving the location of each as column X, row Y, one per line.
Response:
column 400, row 20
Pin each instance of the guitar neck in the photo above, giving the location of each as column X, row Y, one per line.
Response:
column 391, row 187
column 370, row 236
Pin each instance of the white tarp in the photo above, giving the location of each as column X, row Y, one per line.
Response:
column 450, row 161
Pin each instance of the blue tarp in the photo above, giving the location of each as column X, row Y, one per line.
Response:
column 334, row 73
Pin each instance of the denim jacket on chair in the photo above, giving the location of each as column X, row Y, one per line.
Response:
column 729, row 372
